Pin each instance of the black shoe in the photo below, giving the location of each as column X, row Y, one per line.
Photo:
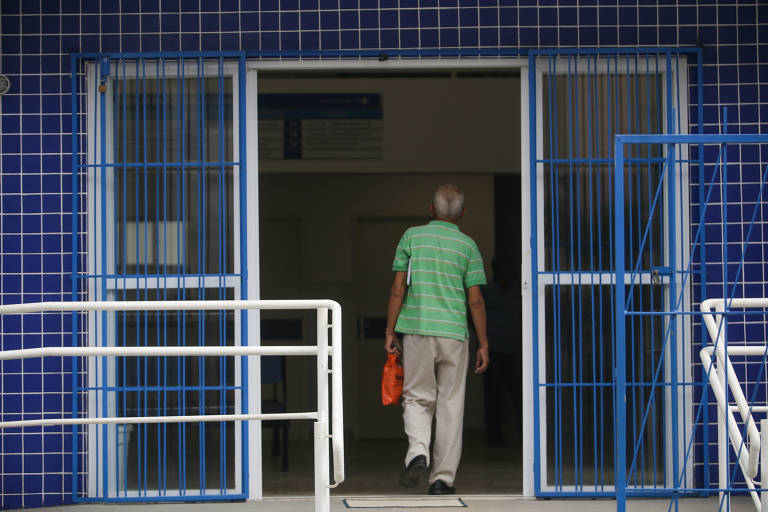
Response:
column 440, row 487
column 416, row 469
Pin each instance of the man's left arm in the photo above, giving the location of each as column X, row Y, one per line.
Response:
column 477, row 310
column 396, row 296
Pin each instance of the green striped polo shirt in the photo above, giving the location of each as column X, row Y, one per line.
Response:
column 443, row 263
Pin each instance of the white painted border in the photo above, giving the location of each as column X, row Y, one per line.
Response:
column 231, row 68
column 682, row 250
column 526, row 276
column 255, row 485
column 685, row 335
column 510, row 63
column 93, row 460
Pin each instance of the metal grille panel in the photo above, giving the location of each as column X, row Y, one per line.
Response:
column 579, row 101
column 166, row 220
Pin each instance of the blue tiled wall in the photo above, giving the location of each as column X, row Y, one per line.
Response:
column 35, row 145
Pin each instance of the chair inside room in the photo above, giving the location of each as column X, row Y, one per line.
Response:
column 273, row 401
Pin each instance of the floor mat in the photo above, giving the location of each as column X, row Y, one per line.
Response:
column 404, row 502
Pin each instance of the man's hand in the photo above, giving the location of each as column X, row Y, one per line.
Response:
column 483, row 359
column 393, row 344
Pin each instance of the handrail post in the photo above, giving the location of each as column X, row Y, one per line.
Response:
column 722, row 417
column 337, row 404
column 322, row 463
column 763, row 464
column 722, row 441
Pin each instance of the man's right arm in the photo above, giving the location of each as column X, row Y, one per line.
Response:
column 477, row 310
column 396, row 297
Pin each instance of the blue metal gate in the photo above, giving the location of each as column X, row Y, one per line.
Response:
column 726, row 257
column 580, row 99
column 159, row 158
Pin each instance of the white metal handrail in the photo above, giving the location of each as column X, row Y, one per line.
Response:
column 748, row 453
column 324, row 413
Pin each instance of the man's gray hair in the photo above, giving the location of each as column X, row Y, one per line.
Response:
column 449, row 202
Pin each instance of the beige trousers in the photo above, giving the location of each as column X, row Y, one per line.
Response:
column 435, row 376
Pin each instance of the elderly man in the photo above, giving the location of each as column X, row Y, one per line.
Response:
column 434, row 265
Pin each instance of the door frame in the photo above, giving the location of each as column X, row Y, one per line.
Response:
column 509, row 63
column 526, row 274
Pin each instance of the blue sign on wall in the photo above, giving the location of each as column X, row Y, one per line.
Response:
column 320, row 106
column 320, row 126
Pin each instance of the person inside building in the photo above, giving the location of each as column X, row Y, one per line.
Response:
column 502, row 389
column 438, row 271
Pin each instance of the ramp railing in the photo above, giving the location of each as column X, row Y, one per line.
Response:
column 722, row 379
column 324, row 417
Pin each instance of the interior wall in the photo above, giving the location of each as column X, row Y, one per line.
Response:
column 451, row 122
column 309, row 249
column 322, row 220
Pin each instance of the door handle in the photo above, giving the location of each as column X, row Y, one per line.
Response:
column 657, row 272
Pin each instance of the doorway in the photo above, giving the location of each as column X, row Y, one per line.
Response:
column 329, row 227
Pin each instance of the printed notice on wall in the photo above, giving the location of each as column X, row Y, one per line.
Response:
column 320, row 126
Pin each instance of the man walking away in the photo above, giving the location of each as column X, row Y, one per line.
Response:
column 438, row 269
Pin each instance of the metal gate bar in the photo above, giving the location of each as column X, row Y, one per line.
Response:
column 168, row 157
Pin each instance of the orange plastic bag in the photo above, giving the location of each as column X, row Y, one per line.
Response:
column 392, row 380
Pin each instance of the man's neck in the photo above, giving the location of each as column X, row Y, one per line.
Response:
column 445, row 220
